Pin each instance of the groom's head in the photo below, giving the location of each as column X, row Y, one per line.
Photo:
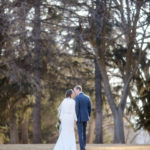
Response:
column 77, row 89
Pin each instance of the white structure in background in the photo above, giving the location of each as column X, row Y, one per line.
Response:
column 141, row 137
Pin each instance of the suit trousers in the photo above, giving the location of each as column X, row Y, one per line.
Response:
column 82, row 134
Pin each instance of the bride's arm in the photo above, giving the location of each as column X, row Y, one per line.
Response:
column 59, row 111
column 74, row 112
column 77, row 106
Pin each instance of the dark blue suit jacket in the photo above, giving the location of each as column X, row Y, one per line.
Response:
column 83, row 107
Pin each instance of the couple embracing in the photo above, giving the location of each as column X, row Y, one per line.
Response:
column 73, row 112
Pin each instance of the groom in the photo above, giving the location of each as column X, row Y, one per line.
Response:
column 83, row 111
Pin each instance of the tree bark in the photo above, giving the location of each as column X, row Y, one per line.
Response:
column 118, row 127
column 37, row 136
column 13, row 128
column 98, row 128
column 24, row 132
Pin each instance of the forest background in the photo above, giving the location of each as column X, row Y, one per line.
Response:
column 48, row 46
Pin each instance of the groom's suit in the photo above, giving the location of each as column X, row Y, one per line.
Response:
column 83, row 111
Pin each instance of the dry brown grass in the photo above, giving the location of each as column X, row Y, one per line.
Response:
column 89, row 147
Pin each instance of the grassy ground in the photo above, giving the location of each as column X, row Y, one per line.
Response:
column 89, row 147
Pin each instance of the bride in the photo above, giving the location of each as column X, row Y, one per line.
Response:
column 67, row 116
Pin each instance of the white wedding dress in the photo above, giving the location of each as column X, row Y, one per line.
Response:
column 67, row 115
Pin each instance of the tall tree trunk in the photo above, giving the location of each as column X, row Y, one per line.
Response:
column 100, row 22
column 13, row 128
column 118, row 127
column 37, row 136
column 24, row 133
column 117, row 111
column 98, row 129
column 2, row 23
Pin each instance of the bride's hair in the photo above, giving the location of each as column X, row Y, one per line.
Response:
column 69, row 92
